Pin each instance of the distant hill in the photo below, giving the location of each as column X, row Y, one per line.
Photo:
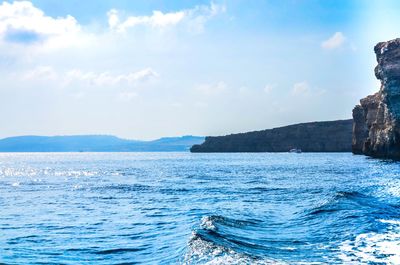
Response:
column 95, row 143
column 326, row 136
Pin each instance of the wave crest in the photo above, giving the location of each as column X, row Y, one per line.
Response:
column 210, row 245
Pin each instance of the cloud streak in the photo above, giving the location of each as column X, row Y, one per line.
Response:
column 334, row 42
column 157, row 20
column 103, row 79
column 107, row 79
column 301, row 88
column 195, row 18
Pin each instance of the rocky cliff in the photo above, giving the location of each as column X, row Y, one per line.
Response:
column 328, row 136
column 376, row 128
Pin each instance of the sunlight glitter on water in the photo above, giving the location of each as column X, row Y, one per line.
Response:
column 182, row 208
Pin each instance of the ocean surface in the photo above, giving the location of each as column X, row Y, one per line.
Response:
column 182, row 208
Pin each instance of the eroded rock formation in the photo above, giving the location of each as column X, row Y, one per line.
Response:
column 376, row 127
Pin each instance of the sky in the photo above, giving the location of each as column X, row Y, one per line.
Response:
column 146, row 69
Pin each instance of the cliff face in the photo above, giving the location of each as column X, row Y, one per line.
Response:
column 329, row 136
column 376, row 128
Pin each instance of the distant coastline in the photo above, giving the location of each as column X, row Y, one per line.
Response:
column 95, row 143
column 325, row 136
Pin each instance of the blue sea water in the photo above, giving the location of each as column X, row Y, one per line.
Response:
column 182, row 208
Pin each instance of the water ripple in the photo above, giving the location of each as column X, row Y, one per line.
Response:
column 182, row 208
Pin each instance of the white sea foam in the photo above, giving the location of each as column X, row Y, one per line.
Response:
column 393, row 188
column 204, row 252
column 374, row 247
column 16, row 172
column 207, row 223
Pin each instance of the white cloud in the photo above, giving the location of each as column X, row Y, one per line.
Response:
column 212, row 89
column 336, row 41
column 198, row 16
column 301, row 88
column 304, row 88
column 90, row 78
column 268, row 88
column 113, row 19
column 195, row 18
column 142, row 75
column 156, row 20
column 107, row 79
column 21, row 22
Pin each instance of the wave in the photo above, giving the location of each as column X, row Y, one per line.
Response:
column 212, row 245
column 354, row 203
column 223, row 240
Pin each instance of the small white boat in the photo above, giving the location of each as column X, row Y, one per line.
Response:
column 295, row 150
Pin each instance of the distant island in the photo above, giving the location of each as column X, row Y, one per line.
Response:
column 325, row 136
column 95, row 143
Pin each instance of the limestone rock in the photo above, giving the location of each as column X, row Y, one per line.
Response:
column 376, row 127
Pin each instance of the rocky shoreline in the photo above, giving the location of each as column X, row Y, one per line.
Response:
column 376, row 128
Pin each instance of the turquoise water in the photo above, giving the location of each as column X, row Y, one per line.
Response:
column 182, row 208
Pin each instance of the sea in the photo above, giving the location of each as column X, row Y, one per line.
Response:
column 184, row 208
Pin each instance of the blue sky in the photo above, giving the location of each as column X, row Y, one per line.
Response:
column 146, row 69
